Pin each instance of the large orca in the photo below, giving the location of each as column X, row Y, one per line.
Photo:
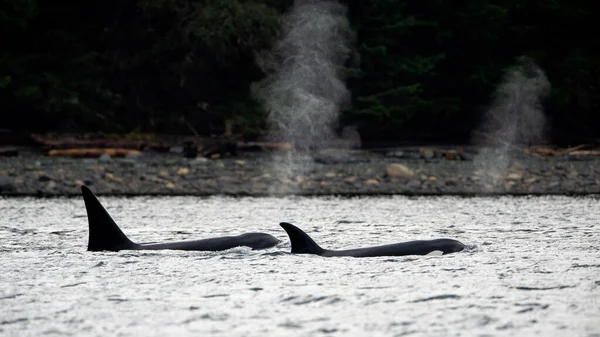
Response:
column 106, row 235
column 303, row 244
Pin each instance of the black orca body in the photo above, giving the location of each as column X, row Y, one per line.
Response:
column 303, row 244
column 106, row 235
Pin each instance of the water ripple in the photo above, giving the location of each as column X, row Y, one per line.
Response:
column 438, row 297
column 543, row 288
column 528, row 269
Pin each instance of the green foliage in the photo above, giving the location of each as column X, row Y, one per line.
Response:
column 118, row 66
column 395, row 84
column 431, row 67
column 426, row 67
column 16, row 14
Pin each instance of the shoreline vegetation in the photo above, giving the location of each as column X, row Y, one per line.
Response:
column 59, row 165
column 393, row 70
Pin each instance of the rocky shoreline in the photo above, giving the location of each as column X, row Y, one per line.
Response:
column 402, row 171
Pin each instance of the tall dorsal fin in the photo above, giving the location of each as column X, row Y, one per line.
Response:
column 301, row 242
column 104, row 232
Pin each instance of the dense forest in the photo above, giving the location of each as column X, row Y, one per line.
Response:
column 420, row 70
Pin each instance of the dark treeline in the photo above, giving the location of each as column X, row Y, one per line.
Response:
column 420, row 70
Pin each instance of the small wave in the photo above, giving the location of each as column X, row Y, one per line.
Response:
column 130, row 262
column 297, row 300
column 182, row 232
column 73, row 285
column 406, row 259
column 275, row 253
column 438, row 297
column 349, row 221
column 215, row 317
column 54, row 331
column 542, row 288
column 13, row 321
column 8, row 297
column 484, row 320
column 290, row 324
column 327, row 330
column 210, row 317
column 18, row 231
column 483, row 307
column 136, row 254
column 216, row 295
column 576, row 265
column 117, row 299
column 473, row 248
column 531, row 306
column 233, row 251
column 62, row 232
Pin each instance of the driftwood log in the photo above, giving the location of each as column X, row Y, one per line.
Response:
column 158, row 143
column 79, row 146
column 8, row 152
column 571, row 151
column 92, row 152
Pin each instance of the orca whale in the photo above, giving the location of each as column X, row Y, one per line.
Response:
column 304, row 244
column 105, row 235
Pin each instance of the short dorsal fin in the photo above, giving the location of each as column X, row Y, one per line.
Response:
column 104, row 232
column 301, row 242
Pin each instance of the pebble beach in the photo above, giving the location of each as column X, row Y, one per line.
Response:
column 404, row 171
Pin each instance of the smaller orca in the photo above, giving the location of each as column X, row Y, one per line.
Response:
column 106, row 235
column 303, row 244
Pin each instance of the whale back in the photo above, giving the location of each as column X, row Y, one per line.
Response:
column 303, row 244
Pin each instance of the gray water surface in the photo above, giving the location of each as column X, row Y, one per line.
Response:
column 532, row 268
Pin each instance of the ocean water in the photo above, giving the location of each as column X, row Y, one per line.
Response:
column 532, row 268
